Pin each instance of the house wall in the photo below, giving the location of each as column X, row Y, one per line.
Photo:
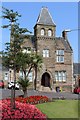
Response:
column 49, row 63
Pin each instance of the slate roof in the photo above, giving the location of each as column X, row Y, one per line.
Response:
column 65, row 43
column 76, row 68
column 45, row 17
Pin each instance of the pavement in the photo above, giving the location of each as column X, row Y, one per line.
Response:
column 56, row 95
column 6, row 93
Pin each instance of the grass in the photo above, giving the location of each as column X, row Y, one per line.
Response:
column 60, row 109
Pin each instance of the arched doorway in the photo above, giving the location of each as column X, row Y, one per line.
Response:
column 45, row 80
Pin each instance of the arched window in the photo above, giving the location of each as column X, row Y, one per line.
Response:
column 49, row 32
column 42, row 32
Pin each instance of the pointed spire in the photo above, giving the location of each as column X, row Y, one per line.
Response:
column 45, row 17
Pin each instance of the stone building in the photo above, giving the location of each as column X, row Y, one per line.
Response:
column 4, row 73
column 57, row 67
column 57, row 54
column 76, row 74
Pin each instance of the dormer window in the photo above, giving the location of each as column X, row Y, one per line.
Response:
column 42, row 32
column 49, row 33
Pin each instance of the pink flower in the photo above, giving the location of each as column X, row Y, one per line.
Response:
column 22, row 110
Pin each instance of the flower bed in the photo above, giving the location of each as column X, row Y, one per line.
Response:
column 22, row 111
column 33, row 99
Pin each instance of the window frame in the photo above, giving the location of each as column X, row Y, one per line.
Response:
column 46, row 53
column 49, row 33
column 60, row 55
column 26, row 50
column 60, row 75
column 6, row 76
column 42, row 31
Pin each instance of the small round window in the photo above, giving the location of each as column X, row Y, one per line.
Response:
column 42, row 32
column 49, row 32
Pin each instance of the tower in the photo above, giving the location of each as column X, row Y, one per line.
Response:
column 45, row 27
column 44, row 32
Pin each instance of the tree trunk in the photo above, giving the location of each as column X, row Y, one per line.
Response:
column 35, row 80
column 14, row 106
column 29, row 71
column 24, row 74
column 25, row 92
column 25, row 89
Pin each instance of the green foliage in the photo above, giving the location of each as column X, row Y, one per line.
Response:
column 10, row 14
column 13, row 57
column 10, row 56
column 36, row 60
column 24, row 82
column 23, row 60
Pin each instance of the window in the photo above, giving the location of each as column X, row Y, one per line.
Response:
column 24, row 51
column 46, row 53
column 6, row 76
column 60, row 55
column 49, row 32
column 29, row 75
column 27, row 50
column 60, row 76
column 21, row 74
column 42, row 32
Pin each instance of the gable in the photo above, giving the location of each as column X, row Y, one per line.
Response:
column 63, row 44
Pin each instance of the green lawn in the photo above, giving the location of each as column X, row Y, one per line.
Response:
column 60, row 109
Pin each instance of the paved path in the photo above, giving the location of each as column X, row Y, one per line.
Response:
column 5, row 93
column 55, row 95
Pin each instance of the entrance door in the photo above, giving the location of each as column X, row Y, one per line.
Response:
column 45, row 80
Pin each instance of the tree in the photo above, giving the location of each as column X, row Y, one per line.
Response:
column 24, row 84
column 37, row 64
column 23, row 61
column 14, row 58
column 29, row 61
column 14, row 48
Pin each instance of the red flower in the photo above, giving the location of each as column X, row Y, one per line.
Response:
column 33, row 99
column 22, row 111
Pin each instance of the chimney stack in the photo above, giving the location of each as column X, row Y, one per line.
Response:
column 64, row 34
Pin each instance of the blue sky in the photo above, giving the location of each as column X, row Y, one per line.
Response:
column 64, row 14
